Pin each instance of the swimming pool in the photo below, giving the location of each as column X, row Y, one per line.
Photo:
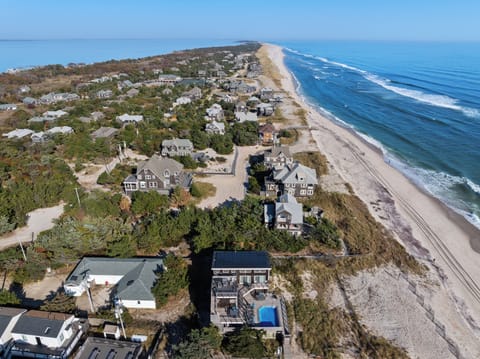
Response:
column 267, row 316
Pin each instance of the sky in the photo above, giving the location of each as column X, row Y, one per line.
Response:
column 264, row 20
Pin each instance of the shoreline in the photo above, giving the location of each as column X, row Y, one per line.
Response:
column 430, row 230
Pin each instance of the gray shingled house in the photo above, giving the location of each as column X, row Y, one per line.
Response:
column 158, row 174
column 295, row 179
column 177, row 147
column 286, row 214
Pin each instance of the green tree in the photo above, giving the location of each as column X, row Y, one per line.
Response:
column 148, row 202
column 5, row 225
column 200, row 344
column 8, row 297
column 327, row 233
column 245, row 343
column 173, row 279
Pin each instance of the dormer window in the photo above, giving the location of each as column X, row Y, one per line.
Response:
column 166, row 173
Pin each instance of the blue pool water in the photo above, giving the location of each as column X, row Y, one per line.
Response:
column 268, row 316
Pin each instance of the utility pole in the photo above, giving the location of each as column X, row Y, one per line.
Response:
column 23, row 250
column 78, row 197
column 118, row 314
column 90, row 300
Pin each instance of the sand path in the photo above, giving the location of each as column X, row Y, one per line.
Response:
column 230, row 187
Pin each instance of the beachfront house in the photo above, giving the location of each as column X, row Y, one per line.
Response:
column 215, row 128
column 177, row 147
column 46, row 335
column 265, row 109
column 277, row 157
column 240, row 293
column 286, row 215
column 157, row 174
column 132, row 279
column 295, row 179
column 267, row 134
column 266, row 93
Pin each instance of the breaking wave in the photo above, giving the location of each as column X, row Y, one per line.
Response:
column 430, row 99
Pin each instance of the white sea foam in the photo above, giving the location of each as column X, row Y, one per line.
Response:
column 439, row 185
column 430, row 99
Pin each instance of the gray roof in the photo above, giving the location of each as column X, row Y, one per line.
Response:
column 240, row 260
column 101, row 348
column 179, row 142
column 288, row 203
column 41, row 324
column 277, row 150
column 104, row 132
column 139, row 274
column 137, row 284
column 158, row 165
column 6, row 316
column 296, row 173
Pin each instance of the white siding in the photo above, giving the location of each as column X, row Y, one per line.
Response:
column 104, row 279
column 7, row 334
column 141, row 304
column 47, row 341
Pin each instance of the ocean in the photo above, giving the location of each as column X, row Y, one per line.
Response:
column 418, row 102
column 29, row 53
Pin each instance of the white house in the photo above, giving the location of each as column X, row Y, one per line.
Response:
column 125, row 118
column 60, row 129
column 182, row 100
column 18, row 133
column 48, row 329
column 215, row 112
column 133, row 278
column 241, row 116
column 215, row 128
column 8, row 318
column 8, row 107
column 55, row 114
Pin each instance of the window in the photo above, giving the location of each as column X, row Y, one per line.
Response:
column 139, row 177
column 148, row 177
column 303, row 192
column 287, row 185
column 153, row 177
column 139, row 302
column 166, row 173
column 61, row 337
column 152, row 184
column 310, row 192
column 304, row 185
column 260, row 279
column 143, row 185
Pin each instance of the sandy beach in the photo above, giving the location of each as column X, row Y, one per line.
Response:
column 439, row 238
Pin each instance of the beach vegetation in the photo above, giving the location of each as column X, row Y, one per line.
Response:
column 171, row 280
